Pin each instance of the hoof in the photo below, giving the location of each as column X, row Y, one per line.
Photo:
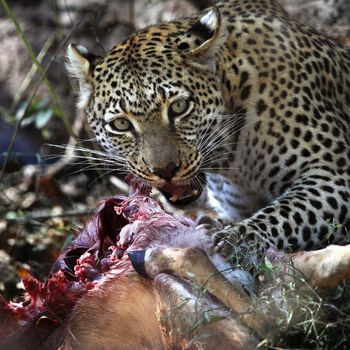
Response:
column 137, row 259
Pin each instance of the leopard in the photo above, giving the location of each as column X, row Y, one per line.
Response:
column 239, row 108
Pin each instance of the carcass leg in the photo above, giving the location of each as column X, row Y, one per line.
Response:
column 324, row 268
column 193, row 264
column 321, row 269
column 190, row 319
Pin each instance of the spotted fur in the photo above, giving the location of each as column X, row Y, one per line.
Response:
column 268, row 111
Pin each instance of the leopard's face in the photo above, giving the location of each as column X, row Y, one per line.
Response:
column 157, row 112
column 158, row 125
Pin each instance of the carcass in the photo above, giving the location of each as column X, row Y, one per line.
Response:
column 184, row 296
column 94, row 299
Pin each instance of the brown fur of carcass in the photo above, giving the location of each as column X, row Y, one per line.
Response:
column 114, row 307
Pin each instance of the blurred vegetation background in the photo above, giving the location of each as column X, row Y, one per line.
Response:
column 48, row 185
column 47, row 191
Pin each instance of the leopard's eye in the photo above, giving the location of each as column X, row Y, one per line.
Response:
column 178, row 107
column 120, row 124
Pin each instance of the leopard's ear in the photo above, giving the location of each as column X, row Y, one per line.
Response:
column 79, row 65
column 200, row 43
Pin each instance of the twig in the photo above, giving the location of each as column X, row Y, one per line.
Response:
column 131, row 15
column 30, row 51
column 69, row 153
column 42, row 76
column 12, row 142
column 33, row 70
column 34, row 216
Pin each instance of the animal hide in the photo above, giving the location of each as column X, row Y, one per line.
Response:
column 94, row 299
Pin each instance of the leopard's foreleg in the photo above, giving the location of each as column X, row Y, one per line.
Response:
column 310, row 214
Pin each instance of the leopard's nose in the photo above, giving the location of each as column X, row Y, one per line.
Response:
column 167, row 172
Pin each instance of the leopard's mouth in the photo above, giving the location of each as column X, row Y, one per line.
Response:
column 181, row 194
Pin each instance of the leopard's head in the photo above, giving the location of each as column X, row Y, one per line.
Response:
column 153, row 98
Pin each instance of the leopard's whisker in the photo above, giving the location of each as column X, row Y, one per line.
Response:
column 89, row 151
column 227, row 127
column 216, row 135
column 210, row 169
column 102, row 175
column 215, row 144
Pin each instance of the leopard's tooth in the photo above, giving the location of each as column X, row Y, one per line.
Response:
column 173, row 198
column 194, row 192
